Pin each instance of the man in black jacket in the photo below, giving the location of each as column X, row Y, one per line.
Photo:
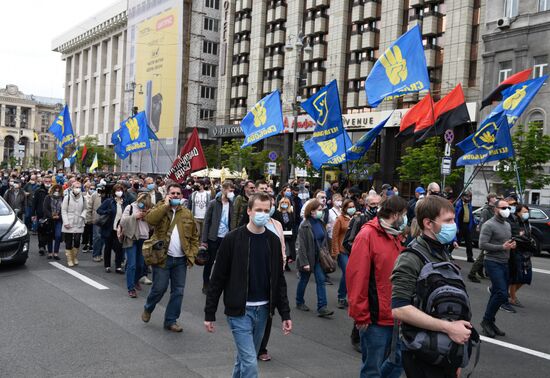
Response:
column 249, row 271
column 38, row 214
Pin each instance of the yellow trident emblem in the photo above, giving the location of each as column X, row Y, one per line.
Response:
column 485, row 137
column 320, row 105
column 395, row 65
column 513, row 101
column 61, row 123
column 133, row 128
column 260, row 114
column 329, row 147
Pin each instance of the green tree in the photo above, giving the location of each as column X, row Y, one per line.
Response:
column 302, row 160
column 236, row 158
column 532, row 150
column 105, row 155
column 212, row 155
column 47, row 161
column 422, row 163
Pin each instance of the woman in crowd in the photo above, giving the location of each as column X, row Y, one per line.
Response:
column 285, row 215
column 52, row 212
column 521, row 269
column 338, row 250
column 135, row 231
column 73, row 213
column 87, row 236
column 113, row 207
column 312, row 236
column 333, row 214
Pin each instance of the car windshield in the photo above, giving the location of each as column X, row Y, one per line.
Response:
column 4, row 208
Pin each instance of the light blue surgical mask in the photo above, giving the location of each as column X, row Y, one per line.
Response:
column 288, row 194
column 150, row 187
column 513, row 209
column 284, row 206
column 141, row 205
column 525, row 216
column 447, row 233
column 175, row 202
column 351, row 211
column 403, row 225
column 260, row 219
column 272, row 211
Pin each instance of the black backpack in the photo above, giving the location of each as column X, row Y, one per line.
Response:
column 441, row 293
column 353, row 229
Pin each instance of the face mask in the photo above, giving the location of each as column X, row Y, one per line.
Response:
column 351, row 211
column 512, row 209
column 175, row 202
column 56, row 194
column 32, row 182
column 396, row 193
column 141, row 205
column 372, row 210
column 15, row 186
column 288, row 194
column 47, row 186
column 76, row 191
column 150, row 187
column 118, row 193
column 525, row 216
column 230, row 196
column 505, row 213
column 188, row 187
column 401, row 226
column 284, row 206
column 319, row 214
column 338, row 203
column 135, row 186
column 272, row 211
column 447, row 233
column 260, row 219
column 91, row 191
column 421, row 196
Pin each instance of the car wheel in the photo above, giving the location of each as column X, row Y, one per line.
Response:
column 537, row 251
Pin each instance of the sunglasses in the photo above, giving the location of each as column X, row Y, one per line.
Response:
column 175, row 194
column 505, row 208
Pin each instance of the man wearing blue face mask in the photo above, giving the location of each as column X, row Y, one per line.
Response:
column 436, row 219
column 249, row 272
column 175, row 226
column 149, row 186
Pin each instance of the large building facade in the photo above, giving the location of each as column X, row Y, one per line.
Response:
column 515, row 37
column 157, row 55
column 298, row 46
column 24, row 123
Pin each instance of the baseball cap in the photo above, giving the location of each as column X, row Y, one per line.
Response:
column 420, row 190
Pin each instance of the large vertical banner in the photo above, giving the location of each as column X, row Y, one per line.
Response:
column 155, row 50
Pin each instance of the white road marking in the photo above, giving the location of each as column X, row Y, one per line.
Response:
column 536, row 270
column 516, row 347
column 81, row 277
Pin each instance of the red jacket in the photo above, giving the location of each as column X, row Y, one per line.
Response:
column 368, row 274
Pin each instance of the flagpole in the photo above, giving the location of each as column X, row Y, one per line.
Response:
column 520, row 190
column 477, row 169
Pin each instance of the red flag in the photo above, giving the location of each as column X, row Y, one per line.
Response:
column 416, row 116
column 496, row 94
column 84, row 152
column 191, row 158
column 450, row 111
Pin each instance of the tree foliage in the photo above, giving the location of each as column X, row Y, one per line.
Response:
column 236, row 158
column 105, row 155
column 532, row 150
column 422, row 163
column 212, row 155
column 302, row 160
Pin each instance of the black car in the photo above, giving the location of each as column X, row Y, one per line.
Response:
column 14, row 237
column 539, row 218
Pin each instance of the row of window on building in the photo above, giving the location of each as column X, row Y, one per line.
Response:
column 540, row 68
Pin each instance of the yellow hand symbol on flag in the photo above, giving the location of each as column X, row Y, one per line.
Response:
column 328, row 147
column 260, row 114
column 133, row 128
column 395, row 65
column 513, row 101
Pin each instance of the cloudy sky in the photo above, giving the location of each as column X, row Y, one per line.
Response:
column 27, row 29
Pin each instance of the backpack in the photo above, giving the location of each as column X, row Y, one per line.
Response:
column 441, row 293
column 353, row 229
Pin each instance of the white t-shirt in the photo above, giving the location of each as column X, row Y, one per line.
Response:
column 201, row 202
column 224, row 221
column 174, row 248
column 333, row 213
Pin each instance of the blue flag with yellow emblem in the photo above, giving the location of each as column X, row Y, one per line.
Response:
column 62, row 128
column 359, row 149
column 400, row 70
column 493, row 142
column 60, row 150
column 133, row 134
column 327, row 152
column 264, row 120
column 324, row 108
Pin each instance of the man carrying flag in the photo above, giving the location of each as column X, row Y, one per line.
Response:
column 324, row 108
column 400, row 70
column 265, row 119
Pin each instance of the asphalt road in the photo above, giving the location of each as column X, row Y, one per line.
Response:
column 55, row 325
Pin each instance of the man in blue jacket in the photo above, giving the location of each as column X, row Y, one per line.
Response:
column 464, row 220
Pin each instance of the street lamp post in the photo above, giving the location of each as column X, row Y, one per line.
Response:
column 296, row 42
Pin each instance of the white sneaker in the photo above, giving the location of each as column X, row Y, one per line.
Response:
column 145, row 281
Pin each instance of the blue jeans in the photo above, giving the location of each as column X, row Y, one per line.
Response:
column 342, row 263
column 28, row 218
column 53, row 244
column 248, row 331
column 174, row 272
column 134, row 263
column 319, row 282
column 499, row 275
column 375, row 349
column 98, row 242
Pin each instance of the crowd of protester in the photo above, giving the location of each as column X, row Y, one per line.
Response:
column 223, row 225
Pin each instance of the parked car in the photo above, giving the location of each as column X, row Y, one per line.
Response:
column 14, row 237
column 539, row 217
